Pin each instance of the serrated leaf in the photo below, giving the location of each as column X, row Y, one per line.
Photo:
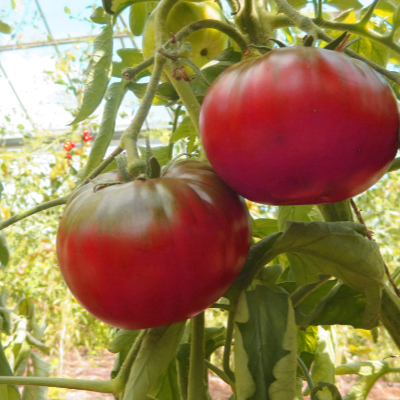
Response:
column 129, row 58
column 184, row 130
column 265, row 346
column 138, row 14
column 158, row 349
column 98, row 74
column 323, row 369
column 116, row 6
column 339, row 249
column 5, row 28
column 114, row 96
column 262, row 227
column 99, row 16
column 122, row 339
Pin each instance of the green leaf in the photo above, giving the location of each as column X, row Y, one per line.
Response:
column 307, row 340
column 122, row 339
column 343, row 306
column 130, row 58
column 297, row 4
column 184, row 130
column 5, row 28
column 37, row 343
column 373, row 51
column 40, row 369
column 333, row 390
column 138, row 14
column 67, row 10
column 163, row 154
column 343, row 5
column 98, row 74
column 263, row 227
column 7, row 392
column 99, row 16
column 214, row 338
column 323, row 369
column 22, row 358
column 305, row 213
column 116, row 6
column 265, row 346
column 339, row 249
column 166, row 386
column 369, row 371
column 114, row 96
column 158, row 349
column 7, row 324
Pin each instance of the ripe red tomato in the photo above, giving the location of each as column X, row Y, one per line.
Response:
column 86, row 132
column 67, row 146
column 300, row 125
column 86, row 138
column 153, row 252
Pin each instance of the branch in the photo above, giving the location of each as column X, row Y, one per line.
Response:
column 306, row 24
column 130, row 73
column 221, row 26
column 78, row 384
column 220, row 374
column 41, row 207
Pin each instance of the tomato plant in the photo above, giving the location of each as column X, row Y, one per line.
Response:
column 294, row 126
column 300, row 125
column 153, row 252
column 205, row 44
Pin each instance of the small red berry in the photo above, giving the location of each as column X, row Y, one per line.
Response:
column 86, row 138
column 86, row 132
column 90, row 137
column 67, row 146
column 73, row 144
column 68, row 155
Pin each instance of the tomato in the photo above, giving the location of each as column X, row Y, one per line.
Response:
column 206, row 44
column 86, row 138
column 153, row 252
column 300, row 125
column 67, row 146
column 86, row 132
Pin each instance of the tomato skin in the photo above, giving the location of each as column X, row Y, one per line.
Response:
column 153, row 252
column 300, row 125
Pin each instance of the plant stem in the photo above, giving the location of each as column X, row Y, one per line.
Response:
column 123, row 373
column 196, row 389
column 221, row 374
column 131, row 72
column 41, row 207
column 307, row 375
column 78, row 384
column 228, row 345
column 307, row 24
column 340, row 211
column 221, row 26
column 395, row 165
column 136, row 165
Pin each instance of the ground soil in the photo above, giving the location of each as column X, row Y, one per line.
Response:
column 99, row 367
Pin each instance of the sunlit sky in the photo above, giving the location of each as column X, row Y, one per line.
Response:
column 45, row 101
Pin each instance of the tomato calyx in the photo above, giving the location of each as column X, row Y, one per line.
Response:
column 102, row 185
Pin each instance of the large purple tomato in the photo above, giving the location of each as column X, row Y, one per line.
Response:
column 153, row 252
column 300, row 125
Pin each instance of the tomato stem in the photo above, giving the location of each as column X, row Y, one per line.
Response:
column 77, row 384
column 196, row 389
column 228, row 344
column 123, row 373
column 137, row 166
column 130, row 73
column 221, row 374
column 41, row 207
